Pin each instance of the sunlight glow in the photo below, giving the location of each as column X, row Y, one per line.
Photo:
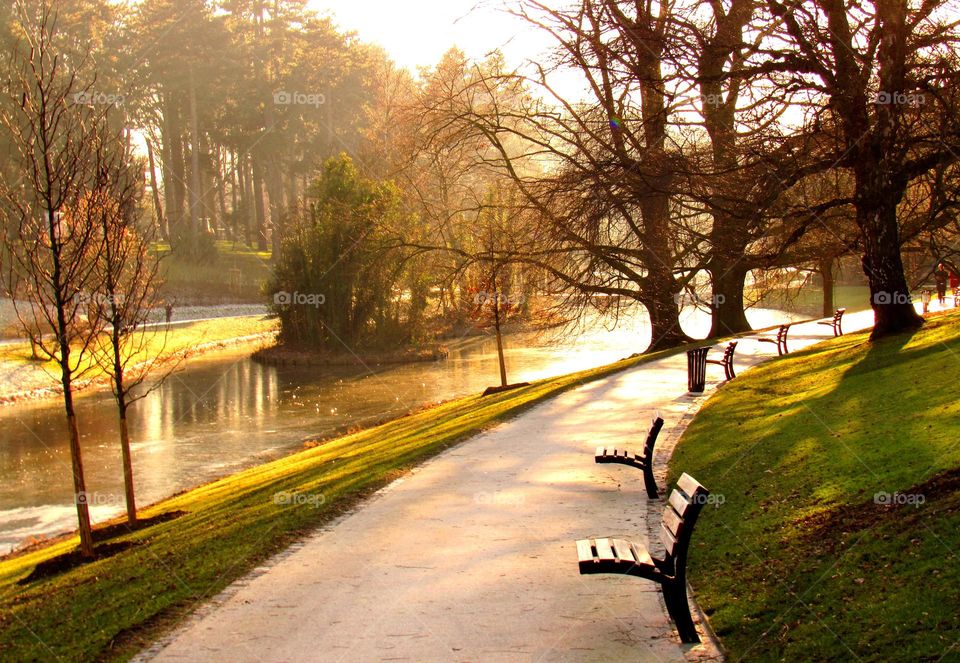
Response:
column 418, row 32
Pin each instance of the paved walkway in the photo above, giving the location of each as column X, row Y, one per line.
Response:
column 471, row 557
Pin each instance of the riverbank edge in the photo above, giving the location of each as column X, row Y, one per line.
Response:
column 282, row 355
column 38, row 603
column 102, row 382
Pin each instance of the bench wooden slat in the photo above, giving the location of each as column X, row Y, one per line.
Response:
column 604, row 551
column 671, row 520
column 632, row 553
column 679, row 503
column 623, row 550
column 585, row 551
column 688, row 484
column 668, row 540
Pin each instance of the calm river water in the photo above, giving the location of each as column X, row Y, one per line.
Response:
column 225, row 412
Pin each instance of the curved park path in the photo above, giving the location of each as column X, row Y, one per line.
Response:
column 471, row 557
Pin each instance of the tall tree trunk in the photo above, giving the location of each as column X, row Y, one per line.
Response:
column 873, row 140
column 826, row 276
column 260, row 160
column 258, row 205
column 127, row 463
column 233, row 171
column 57, row 282
column 890, row 298
column 162, row 228
column 242, row 195
column 117, row 322
column 496, row 326
column 652, row 175
column 293, row 192
column 220, row 184
column 76, row 457
column 250, row 212
column 275, row 193
column 208, row 184
column 79, row 483
column 730, row 234
column 173, row 169
column 727, row 274
column 659, row 290
column 196, row 191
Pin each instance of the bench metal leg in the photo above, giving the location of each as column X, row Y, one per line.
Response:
column 649, row 483
column 675, row 596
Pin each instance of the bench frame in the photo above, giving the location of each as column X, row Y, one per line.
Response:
column 609, row 555
column 727, row 361
column 642, row 462
column 836, row 323
column 780, row 340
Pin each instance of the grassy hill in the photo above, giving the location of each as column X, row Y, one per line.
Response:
column 839, row 533
column 235, row 274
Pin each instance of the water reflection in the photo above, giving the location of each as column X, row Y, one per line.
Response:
column 227, row 412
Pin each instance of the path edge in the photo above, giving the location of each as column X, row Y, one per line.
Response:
column 709, row 648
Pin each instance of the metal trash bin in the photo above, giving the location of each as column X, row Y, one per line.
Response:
column 697, row 369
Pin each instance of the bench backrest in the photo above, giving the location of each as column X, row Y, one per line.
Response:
column 728, row 353
column 679, row 516
column 839, row 314
column 782, row 332
column 655, row 427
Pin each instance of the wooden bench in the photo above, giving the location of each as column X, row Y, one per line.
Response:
column 609, row 555
column 727, row 361
column 642, row 462
column 835, row 323
column 780, row 340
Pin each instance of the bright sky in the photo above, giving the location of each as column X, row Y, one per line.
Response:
column 416, row 33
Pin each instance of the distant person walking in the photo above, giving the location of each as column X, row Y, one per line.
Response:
column 168, row 309
column 941, row 276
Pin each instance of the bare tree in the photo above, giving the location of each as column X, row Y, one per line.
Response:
column 882, row 74
column 740, row 156
column 50, row 238
column 499, row 293
column 597, row 173
column 127, row 281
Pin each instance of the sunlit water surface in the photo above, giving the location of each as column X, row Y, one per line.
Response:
column 225, row 413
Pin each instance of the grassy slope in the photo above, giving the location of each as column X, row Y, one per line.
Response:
column 799, row 563
column 110, row 608
column 212, row 281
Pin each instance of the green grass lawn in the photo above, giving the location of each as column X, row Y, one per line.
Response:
column 236, row 274
column 109, row 609
column 799, row 562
